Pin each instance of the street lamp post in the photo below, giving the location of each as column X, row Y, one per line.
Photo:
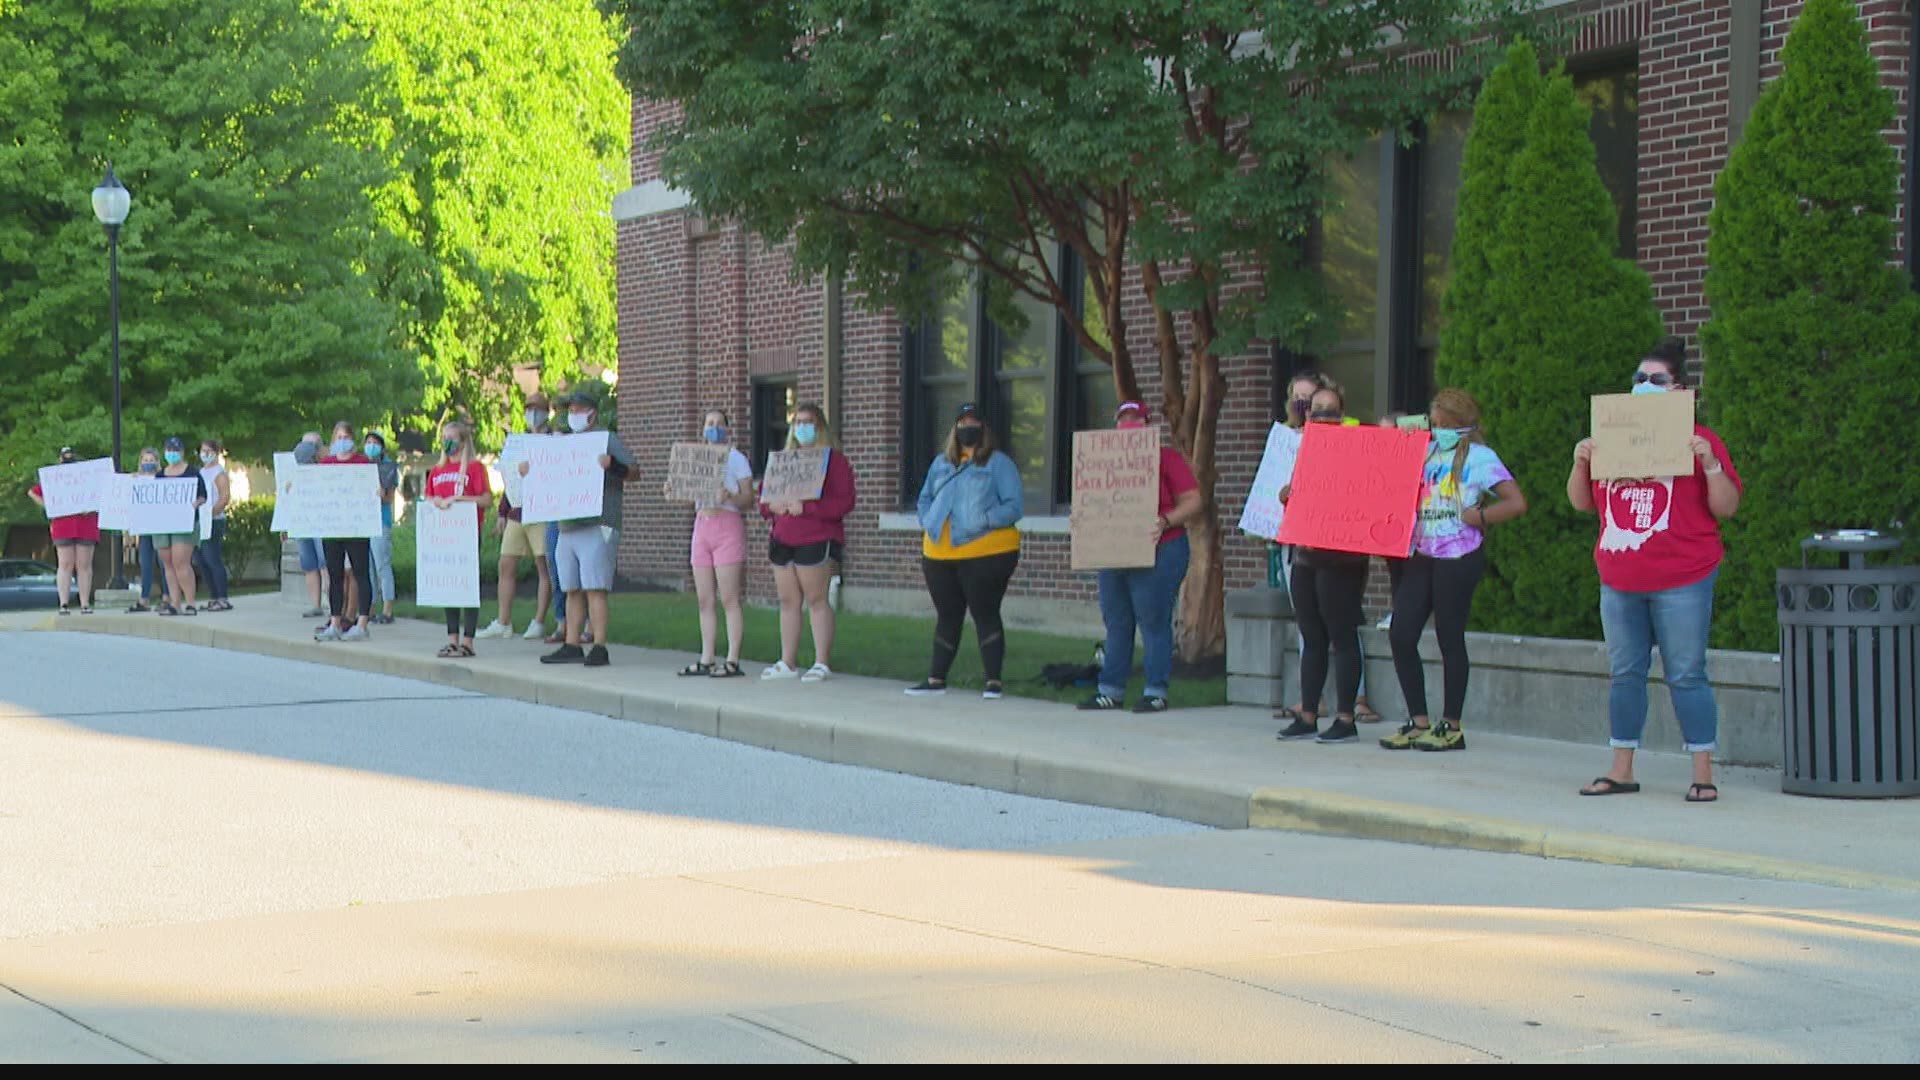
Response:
column 111, row 201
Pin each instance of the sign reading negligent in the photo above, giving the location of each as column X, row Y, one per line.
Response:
column 1355, row 489
column 1116, row 496
column 1641, row 435
column 795, row 475
column 696, row 472
column 162, row 504
column 1263, row 513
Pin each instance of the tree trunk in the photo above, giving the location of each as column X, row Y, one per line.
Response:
column 1200, row 632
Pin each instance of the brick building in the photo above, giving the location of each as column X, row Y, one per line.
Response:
column 709, row 316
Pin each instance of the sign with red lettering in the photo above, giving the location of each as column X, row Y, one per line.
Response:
column 1116, row 496
column 1355, row 489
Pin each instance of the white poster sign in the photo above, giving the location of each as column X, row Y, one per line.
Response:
column 76, row 488
column 162, row 505
column 515, row 452
column 116, row 504
column 564, row 479
column 283, row 496
column 332, row 501
column 447, row 550
column 1263, row 513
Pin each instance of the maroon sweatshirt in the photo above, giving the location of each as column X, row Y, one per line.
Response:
column 821, row 518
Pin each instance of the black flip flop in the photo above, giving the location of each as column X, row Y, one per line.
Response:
column 1612, row 787
column 700, row 669
column 1695, row 789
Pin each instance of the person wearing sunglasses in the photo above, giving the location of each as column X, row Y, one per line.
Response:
column 1658, row 555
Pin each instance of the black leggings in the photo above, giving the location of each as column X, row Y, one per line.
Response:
column 1327, row 591
column 1442, row 588
column 962, row 585
column 459, row 616
column 360, row 554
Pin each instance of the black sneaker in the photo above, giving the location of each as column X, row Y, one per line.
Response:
column 926, row 688
column 1339, row 731
column 1151, row 704
column 1099, row 703
column 565, row 654
column 597, row 656
column 1299, row 729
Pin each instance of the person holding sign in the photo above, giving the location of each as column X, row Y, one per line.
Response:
column 208, row 558
column 1658, row 555
column 74, row 538
column 1327, row 588
column 808, row 539
column 1438, row 579
column 380, row 548
column 1143, row 599
column 519, row 540
column 458, row 478
column 347, row 619
column 176, row 549
column 968, row 505
column 313, row 556
column 586, row 545
column 719, row 552
column 149, row 555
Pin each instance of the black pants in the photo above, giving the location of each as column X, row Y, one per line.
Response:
column 962, row 585
column 339, row 553
column 1442, row 588
column 463, row 616
column 1327, row 591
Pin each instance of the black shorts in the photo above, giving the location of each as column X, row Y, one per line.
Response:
column 805, row 555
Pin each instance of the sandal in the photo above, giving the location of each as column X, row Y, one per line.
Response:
column 700, row 668
column 466, row 652
column 448, row 652
column 1364, row 714
column 1286, row 712
column 189, row 610
column 137, row 608
column 86, row 610
column 726, row 669
column 166, row 609
column 1695, row 791
column 1607, row 785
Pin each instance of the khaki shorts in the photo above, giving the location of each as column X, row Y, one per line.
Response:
column 522, row 540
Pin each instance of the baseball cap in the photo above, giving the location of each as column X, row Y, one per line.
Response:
column 966, row 410
column 174, row 442
column 1135, row 407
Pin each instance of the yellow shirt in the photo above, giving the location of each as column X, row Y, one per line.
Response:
column 996, row 542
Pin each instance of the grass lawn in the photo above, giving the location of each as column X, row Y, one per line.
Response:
column 883, row 646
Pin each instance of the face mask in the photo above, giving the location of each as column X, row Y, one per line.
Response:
column 715, row 434
column 1648, row 388
column 968, row 436
column 1299, row 406
column 173, row 457
column 343, row 447
column 1325, row 417
column 579, row 421
column 804, row 434
column 149, row 466
column 372, row 449
column 1446, row 439
column 207, row 457
column 451, row 446
column 1131, row 423
column 535, row 419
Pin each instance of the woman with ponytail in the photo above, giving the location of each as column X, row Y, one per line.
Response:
column 1446, row 563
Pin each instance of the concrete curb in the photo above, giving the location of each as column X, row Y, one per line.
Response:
column 852, row 740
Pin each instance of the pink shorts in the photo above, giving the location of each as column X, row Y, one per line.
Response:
column 719, row 539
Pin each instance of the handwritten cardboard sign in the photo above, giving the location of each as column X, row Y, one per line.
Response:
column 1642, row 435
column 1263, row 513
column 447, row 554
column 1116, row 496
column 1355, row 489
column 283, row 496
column 697, row 472
column 163, row 504
column 336, row 502
column 564, row 479
column 794, row 475
column 515, row 452
column 76, row 488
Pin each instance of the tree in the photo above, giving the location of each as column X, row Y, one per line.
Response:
column 244, row 314
column 1563, row 318
column 1810, row 376
column 1174, row 146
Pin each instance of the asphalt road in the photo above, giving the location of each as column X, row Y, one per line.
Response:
column 208, row 856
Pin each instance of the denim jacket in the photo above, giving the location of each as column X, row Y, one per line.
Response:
column 977, row 499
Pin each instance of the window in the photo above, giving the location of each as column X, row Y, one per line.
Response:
column 773, row 403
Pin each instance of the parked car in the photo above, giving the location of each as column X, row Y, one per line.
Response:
column 26, row 584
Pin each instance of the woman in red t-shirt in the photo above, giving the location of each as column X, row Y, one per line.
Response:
column 1658, row 554
column 459, row 479
column 74, row 538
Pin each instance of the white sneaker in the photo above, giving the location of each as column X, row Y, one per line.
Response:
column 495, row 629
column 327, row 633
column 778, row 670
column 355, row 633
column 535, row 632
column 817, row 673
column 992, row 692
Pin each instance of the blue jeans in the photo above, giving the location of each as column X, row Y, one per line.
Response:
column 1144, row 599
column 553, row 572
column 1677, row 621
column 149, row 564
column 382, row 549
column 209, row 563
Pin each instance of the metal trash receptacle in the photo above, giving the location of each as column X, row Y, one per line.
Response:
column 1850, row 672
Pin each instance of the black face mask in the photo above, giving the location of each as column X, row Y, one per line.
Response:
column 968, row 437
column 1299, row 406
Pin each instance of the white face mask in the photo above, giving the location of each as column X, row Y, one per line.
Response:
column 579, row 421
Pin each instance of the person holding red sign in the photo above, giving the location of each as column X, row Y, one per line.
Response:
column 1438, row 578
column 1327, row 588
column 1658, row 554
column 74, row 538
column 1143, row 598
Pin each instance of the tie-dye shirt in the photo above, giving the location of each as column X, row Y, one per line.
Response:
column 1439, row 532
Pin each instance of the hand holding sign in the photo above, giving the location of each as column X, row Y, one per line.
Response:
column 1640, row 435
column 696, row 472
column 1355, row 489
column 1116, row 496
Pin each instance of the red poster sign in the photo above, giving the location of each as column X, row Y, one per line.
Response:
column 1355, row 489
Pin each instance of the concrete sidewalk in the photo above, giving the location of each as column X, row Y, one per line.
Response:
column 1217, row 766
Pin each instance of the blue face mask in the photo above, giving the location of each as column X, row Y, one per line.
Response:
column 804, row 434
column 372, row 449
column 1648, row 388
column 173, row 457
column 343, row 447
column 1446, row 439
column 715, row 434
column 149, row 466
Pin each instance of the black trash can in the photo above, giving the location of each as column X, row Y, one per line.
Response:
column 1850, row 671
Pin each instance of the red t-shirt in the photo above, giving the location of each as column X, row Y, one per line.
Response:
column 1659, row 533
column 1176, row 479
column 451, row 481
column 82, row 527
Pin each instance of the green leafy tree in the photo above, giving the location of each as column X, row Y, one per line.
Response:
column 244, row 310
column 1810, row 376
column 1564, row 319
column 1178, row 145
